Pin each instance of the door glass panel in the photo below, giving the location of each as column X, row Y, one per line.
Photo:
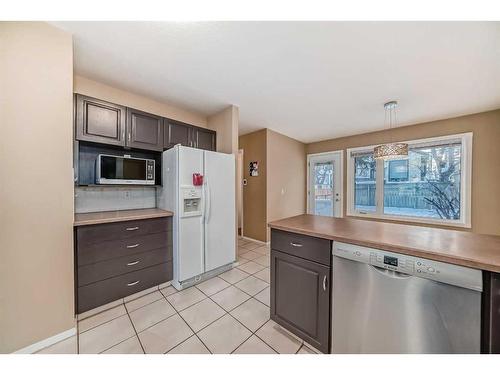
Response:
column 323, row 189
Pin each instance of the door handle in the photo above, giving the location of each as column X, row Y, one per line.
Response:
column 295, row 244
column 325, row 280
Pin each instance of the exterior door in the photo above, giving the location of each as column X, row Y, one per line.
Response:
column 300, row 297
column 220, row 210
column 324, row 184
column 145, row 131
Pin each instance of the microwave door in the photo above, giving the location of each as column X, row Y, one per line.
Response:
column 116, row 170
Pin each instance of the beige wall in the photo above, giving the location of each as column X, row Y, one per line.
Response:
column 225, row 123
column 99, row 90
column 286, row 177
column 485, row 158
column 254, row 193
column 36, row 213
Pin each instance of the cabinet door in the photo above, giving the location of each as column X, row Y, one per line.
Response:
column 144, row 130
column 300, row 298
column 176, row 132
column 204, row 139
column 100, row 121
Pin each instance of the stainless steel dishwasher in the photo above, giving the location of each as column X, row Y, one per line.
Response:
column 385, row 302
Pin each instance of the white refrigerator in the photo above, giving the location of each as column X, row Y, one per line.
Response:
column 204, row 221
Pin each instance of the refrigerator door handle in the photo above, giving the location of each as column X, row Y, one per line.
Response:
column 208, row 203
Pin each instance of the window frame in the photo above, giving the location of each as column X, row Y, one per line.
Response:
column 465, row 183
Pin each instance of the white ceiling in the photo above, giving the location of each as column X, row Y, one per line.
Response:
column 308, row 80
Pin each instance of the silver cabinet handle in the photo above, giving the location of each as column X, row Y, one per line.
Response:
column 132, row 246
column 295, row 244
column 133, row 263
column 134, row 283
column 132, row 228
column 324, row 283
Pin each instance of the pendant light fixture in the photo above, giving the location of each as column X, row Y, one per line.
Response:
column 390, row 150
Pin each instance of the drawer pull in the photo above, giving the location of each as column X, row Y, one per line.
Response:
column 324, row 283
column 132, row 228
column 295, row 244
column 134, row 283
column 133, row 263
column 132, row 246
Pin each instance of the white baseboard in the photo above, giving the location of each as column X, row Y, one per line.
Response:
column 257, row 241
column 37, row 346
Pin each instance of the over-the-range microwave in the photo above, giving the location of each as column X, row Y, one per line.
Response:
column 124, row 170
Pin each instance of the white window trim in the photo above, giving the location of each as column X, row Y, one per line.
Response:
column 340, row 178
column 465, row 184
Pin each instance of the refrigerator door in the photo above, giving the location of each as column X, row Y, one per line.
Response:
column 220, row 210
column 190, row 233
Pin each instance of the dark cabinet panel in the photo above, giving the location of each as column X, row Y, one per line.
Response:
column 490, row 339
column 204, row 139
column 177, row 132
column 100, row 121
column 310, row 248
column 300, row 298
column 144, row 130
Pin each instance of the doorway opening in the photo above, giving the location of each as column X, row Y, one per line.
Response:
column 239, row 192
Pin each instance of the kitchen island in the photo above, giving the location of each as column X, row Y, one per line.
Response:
column 303, row 246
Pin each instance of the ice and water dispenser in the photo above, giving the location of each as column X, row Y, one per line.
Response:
column 191, row 201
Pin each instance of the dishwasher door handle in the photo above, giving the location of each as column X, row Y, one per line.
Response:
column 390, row 273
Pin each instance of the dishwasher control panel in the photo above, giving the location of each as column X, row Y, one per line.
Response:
column 410, row 265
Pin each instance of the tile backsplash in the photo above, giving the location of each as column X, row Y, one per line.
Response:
column 110, row 198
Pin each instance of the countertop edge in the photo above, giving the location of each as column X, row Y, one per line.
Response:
column 132, row 216
column 440, row 257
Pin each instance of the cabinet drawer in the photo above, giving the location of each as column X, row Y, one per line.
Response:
column 119, row 266
column 108, row 290
column 98, row 252
column 122, row 230
column 306, row 247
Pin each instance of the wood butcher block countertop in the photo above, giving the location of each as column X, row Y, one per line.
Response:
column 451, row 246
column 91, row 218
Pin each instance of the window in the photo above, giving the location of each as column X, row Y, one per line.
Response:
column 431, row 184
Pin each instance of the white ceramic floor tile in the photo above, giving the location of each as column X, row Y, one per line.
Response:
column 129, row 346
column 263, row 250
column 143, row 301
column 192, row 345
column 242, row 250
column 264, row 260
column 251, row 267
column 241, row 260
column 252, row 285
column 106, row 335
column 278, row 339
column 151, row 314
column 264, row 275
column 307, row 349
column 230, row 297
column 233, row 276
column 252, row 313
column 163, row 336
column 224, row 335
column 264, row 296
column 250, row 255
column 67, row 346
column 212, row 286
column 168, row 291
column 103, row 317
column 185, row 298
column 202, row 314
column 252, row 245
column 254, row 345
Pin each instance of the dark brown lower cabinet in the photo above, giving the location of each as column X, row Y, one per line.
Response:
column 300, row 298
column 490, row 342
column 115, row 260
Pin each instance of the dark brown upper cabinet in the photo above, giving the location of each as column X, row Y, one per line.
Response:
column 144, row 130
column 204, row 139
column 187, row 135
column 100, row 121
column 176, row 132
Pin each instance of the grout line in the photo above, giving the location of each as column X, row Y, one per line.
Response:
column 300, row 347
column 255, row 334
column 135, row 330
